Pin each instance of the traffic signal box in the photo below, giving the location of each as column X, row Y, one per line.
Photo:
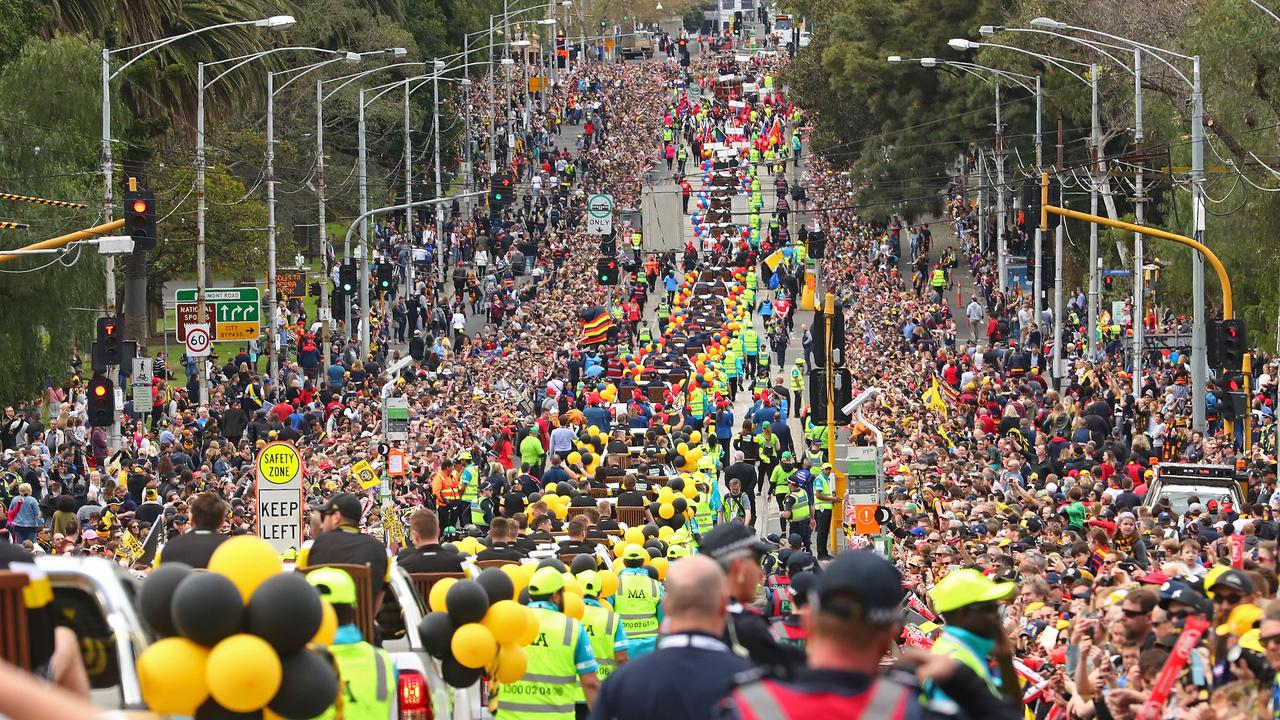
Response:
column 102, row 402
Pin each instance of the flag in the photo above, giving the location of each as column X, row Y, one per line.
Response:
column 774, row 260
column 596, row 324
column 775, row 132
column 933, row 398
column 949, row 393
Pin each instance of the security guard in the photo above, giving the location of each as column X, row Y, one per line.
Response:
column 639, row 602
column 693, row 667
column 644, row 336
column 469, row 481
column 797, row 379
column 751, row 349
column 778, row 479
column 604, row 627
column 342, row 542
column 970, row 604
column 938, row 280
column 561, row 666
column 798, row 511
column 367, row 673
column 824, row 495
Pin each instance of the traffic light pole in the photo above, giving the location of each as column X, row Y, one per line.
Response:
column 828, row 377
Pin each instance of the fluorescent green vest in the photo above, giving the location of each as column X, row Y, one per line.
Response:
column 800, row 510
column 601, row 623
column 951, row 647
column 822, row 483
column 470, row 480
column 549, row 688
column 702, row 514
column 939, row 278
column 368, row 681
column 637, row 603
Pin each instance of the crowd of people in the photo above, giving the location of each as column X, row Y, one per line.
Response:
column 657, row 434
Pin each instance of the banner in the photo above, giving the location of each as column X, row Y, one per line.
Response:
column 1192, row 631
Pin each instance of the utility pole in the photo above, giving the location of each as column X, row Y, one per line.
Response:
column 1038, row 283
column 829, row 377
column 408, row 198
column 1140, row 218
column 1001, row 250
column 202, row 363
column 1058, row 372
column 1199, row 348
column 273, row 337
column 325, row 310
column 362, row 254
column 1095, row 150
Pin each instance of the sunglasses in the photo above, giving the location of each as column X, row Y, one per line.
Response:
column 1228, row 599
column 1130, row 613
column 1267, row 640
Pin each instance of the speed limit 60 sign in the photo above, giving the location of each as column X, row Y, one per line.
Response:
column 198, row 340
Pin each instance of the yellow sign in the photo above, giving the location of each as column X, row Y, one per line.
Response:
column 364, row 474
column 391, row 523
column 130, row 549
column 279, row 463
column 238, row 331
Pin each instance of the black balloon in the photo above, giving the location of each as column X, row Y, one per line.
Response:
column 653, row 571
column 680, row 504
column 582, row 563
column 653, row 543
column 654, row 507
column 564, row 488
column 651, row 530
column 207, row 608
column 211, row 710
column 497, row 584
column 556, row 563
column 534, row 497
column 459, row 675
column 680, row 461
column 286, row 612
column 588, row 459
column 155, row 601
column 467, row 602
column 654, row 552
column 308, row 687
column 676, row 484
column 524, row 596
column 436, row 631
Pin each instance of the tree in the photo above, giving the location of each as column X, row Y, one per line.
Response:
column 48, row 148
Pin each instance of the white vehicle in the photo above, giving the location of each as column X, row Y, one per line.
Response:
column 1181, row 484
column 99, row 600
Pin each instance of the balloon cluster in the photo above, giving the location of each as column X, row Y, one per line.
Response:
column 234, row 639
column 655, row 542
column 477, row 627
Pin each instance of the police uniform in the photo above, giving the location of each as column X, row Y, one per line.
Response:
column 367, row 674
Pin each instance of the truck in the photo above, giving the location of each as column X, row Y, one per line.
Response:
column 98, row 599
column 1181, row 484
column 636, row 44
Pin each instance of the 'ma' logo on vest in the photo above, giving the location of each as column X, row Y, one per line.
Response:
column 541, row 641
column 636, row 594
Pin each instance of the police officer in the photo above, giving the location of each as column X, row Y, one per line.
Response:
column 604, row 627
column 970, row 604
column 639, row 602
column 738, row 551
column 797, row 379
column 692, row 666
column 561, row 666
column 854, row 618
column 367, row 673
column 798, row 512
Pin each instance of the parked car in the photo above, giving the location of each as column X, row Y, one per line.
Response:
column 1181, row 484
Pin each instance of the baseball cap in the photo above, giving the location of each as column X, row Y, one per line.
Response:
column 733, row 540
column 590, row 582
column 1233, row 579
column 967, row 587
column 874, row 581
column 334, row 585
column 634, row 552
column 345, row 504
column 546, row 581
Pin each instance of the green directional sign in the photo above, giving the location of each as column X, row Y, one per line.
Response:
column 235, row 313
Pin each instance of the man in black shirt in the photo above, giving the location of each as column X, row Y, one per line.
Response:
column 629, row 497
column 502, row 546
column 542, row 530
column 342, row 542
column 426, row 555
column 208, row 511
column 745, row 473
column 577, row 543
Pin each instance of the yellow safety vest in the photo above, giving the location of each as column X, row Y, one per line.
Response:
column 953, row 648
column 637, row 603
column 939, row 278
column 800, row 508
column 549, row 687
column 368, row 681
column 822, row 483
column 601, row 624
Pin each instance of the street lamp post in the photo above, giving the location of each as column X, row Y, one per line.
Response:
column 276, row 22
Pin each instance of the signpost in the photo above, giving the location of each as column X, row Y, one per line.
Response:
column 197, row 340
column 395, row 419
column 600, row 215
column 143, row 376
column 279, row 471
column 234, row 313
column 291, row 283
column 864, row 489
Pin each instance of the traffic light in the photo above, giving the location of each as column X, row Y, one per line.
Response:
column 313, row 290
column 1031, row 203
column 383, row 272
column 140, row 218
column 347, row 278
column 1106, row 282
column 607, row 271
column 609, row 246
column 1235, row 403
column 109, row 339
column 1234, row 344
column 102, row 402
column 817, row 244
column 501, row 190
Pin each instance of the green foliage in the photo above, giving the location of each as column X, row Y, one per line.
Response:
column 19, row 20
column 48, row 148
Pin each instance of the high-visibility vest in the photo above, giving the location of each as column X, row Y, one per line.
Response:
column 549, row 687
column 702, row 514
column 449, row 490
column 731, row 360
column 939, row 278
column 822, row 484
column 477, row 513
column 368, row 680
column 750, row 342
column 800, row 508
column 735, row 508
column 471, row 484
column 797, row 380
column 601, row 624
column 953, row 648
column 645, row 335
column 637, row 603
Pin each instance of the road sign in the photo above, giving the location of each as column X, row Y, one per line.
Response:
column 395, row 418
column 197, row 340
column 143, row 376
column 236, row 313
column 279, row 471
column 865, row 485
column 1117, row 273
column 600, row 215
column 695, row 90
column 291, row 284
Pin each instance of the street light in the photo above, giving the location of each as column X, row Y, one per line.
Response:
column 274, row 22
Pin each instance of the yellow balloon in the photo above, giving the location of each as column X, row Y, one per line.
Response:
column 666, row 531
column 661, row 564
column 172, row 675
column 634, row 535
column 512, row 662
column 694, row 455
column 435, row 600
column 683, row 448
column 243, row 672
column 695, row 437
column 574, row 607
column 666, row 511
column 518, row 580
column 328, row 625
column 531, row 627
column 690, row 492
column 617, row 550
column 592, row 430
column 608, row 583
column 506, row 620
column 561, row 511
column 666, row 494
column 473, row 645
column 575, row 457
column 571, row 584
column 248, row 561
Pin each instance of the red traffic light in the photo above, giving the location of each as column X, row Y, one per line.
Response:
column 139, row 206
column 99, row 390
column 108, row 329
